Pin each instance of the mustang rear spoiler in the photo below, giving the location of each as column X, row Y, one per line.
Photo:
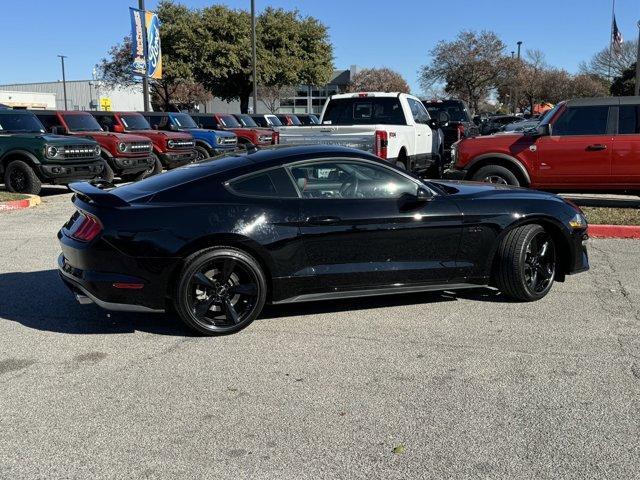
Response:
column 89, row 193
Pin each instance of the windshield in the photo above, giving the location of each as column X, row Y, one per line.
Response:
column 549, row 114
column 273, row 120
column 364, row 111
column 229, row 121
column 290, row 120
column 134, row 122
column 20, row 123
column 81, row 123
column 182, row 120
column 455, row 111
column 246, row 121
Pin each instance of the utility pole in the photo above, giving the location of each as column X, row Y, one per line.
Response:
column 64, row 81
column 637, row 90
column 519, row 45
column 515, row 91
column 145, row 78
column 253, row 56
column 613, row 17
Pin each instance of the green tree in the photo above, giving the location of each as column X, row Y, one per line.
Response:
column 625, row 84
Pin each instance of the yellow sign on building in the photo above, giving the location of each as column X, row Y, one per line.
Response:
column 105, row 104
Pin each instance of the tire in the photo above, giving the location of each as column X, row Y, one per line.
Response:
column 516, row 265
column 19, row 177
column 202, row 153
column 220, row 290
column 437, row 168
column 107, row 172
column 150, row 172
column 496, row 174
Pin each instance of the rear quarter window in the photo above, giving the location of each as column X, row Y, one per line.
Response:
column 271, row 183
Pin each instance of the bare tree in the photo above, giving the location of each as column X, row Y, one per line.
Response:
column 272, row 96
column 378, row 80
column 470, row 66
column 599, row 64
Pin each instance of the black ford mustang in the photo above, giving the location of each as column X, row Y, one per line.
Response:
column 217, row 239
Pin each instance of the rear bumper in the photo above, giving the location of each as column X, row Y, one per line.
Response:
column 177, row 159
column 59, row 173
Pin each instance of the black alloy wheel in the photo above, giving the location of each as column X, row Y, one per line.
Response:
column 221, row 290
column 496, row 174
column 19, row 177
column 526, row 263
column 201, row 153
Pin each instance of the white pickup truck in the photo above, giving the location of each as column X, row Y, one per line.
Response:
column 394, row 126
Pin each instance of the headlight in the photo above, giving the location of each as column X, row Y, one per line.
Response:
column 578, row 222
column 52, row 151
column 122, row 147
column 97, row 150
column 219, row 140
column 171, row 143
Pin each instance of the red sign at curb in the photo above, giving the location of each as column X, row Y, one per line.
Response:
column 15, row 204
column 614, row 231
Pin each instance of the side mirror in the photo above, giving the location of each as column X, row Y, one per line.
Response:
column 543, row 130
column 172, row 128
column 118, row 128
column 59, row 130
column 423, row 195
column 155, row 126
column 409, row 201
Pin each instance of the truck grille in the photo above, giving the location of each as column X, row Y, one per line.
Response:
column 139, row 147
column 229, row 140
column 175, row 144
column 79, row 151
column 265, row 139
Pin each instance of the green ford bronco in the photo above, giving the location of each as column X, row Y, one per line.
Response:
column 30, row 157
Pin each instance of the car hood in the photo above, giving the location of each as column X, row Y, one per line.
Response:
column 57, row 139
column 205, row 131
column 459, row 188
column 513, row 141
column 161, row 134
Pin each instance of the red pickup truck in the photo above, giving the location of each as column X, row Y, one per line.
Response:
column 126, row 156
column 587, row 144
column 246, row 135
column 170, row 149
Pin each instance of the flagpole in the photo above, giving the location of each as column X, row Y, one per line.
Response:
column 613, row 17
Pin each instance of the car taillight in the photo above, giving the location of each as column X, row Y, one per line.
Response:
column 275, row 138
column 85, row 228
column 460, row 131
column 381, row 144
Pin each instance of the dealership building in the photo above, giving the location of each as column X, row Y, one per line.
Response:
column 94, row 95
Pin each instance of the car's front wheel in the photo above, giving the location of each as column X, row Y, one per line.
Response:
column 496, row 174
column 526, row 263
column 19, row 177
column 220, row 290
column 201, row 153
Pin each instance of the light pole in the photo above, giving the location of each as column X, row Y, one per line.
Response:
column 637, row 90
column 515, row 90
column 253, row 55
column 64, row 81
column 519, row 45
column 145, row 79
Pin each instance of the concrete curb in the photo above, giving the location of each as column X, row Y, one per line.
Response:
column 614, row 231
column 32, row 201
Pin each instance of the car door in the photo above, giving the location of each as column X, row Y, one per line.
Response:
column 362, row 226
column 578, row 151
column 422, row 132
column 625, row 160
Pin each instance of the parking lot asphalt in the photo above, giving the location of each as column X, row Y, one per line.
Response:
column 463, row 385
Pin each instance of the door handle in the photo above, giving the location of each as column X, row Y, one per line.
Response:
column 323, row 220
column 596, row 147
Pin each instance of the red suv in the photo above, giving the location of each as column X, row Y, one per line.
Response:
column 246, row 135
column 126, row 156
column 584, row 144
column 170, row 149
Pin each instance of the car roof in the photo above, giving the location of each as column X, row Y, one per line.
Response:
column 603, row 101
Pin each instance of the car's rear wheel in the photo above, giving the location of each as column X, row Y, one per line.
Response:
column 526, row 263
column 19, row 177
column 496, row 174
column 201, row 153
column 220, row 290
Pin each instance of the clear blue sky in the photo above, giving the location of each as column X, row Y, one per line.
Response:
column 368, row 33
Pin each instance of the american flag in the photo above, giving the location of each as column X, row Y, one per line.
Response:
column 616, row 37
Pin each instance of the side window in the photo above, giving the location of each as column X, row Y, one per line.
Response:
column 272, row 183
column 582, row 121
column 418, row 111
column 629, row 119
column 158, row 120
column 106, row 122
column 344, row 179
column 206, row 121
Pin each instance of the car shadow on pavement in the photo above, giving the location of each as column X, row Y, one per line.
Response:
column 41, row 301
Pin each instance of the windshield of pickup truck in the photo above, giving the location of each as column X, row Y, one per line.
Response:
column 246, row 121
column 135, row 122
column 82, row 123
column 455, row 111
column 364, row 111
column 182, row 120
column 230, row 121
column 20, row 123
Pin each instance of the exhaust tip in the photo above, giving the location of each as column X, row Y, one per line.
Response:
column 83, row 299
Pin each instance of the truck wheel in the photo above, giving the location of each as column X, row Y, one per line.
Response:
column 496, row 174
column 202, row 153
column 526, row 263
column 19, row 177
column 107, row 173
